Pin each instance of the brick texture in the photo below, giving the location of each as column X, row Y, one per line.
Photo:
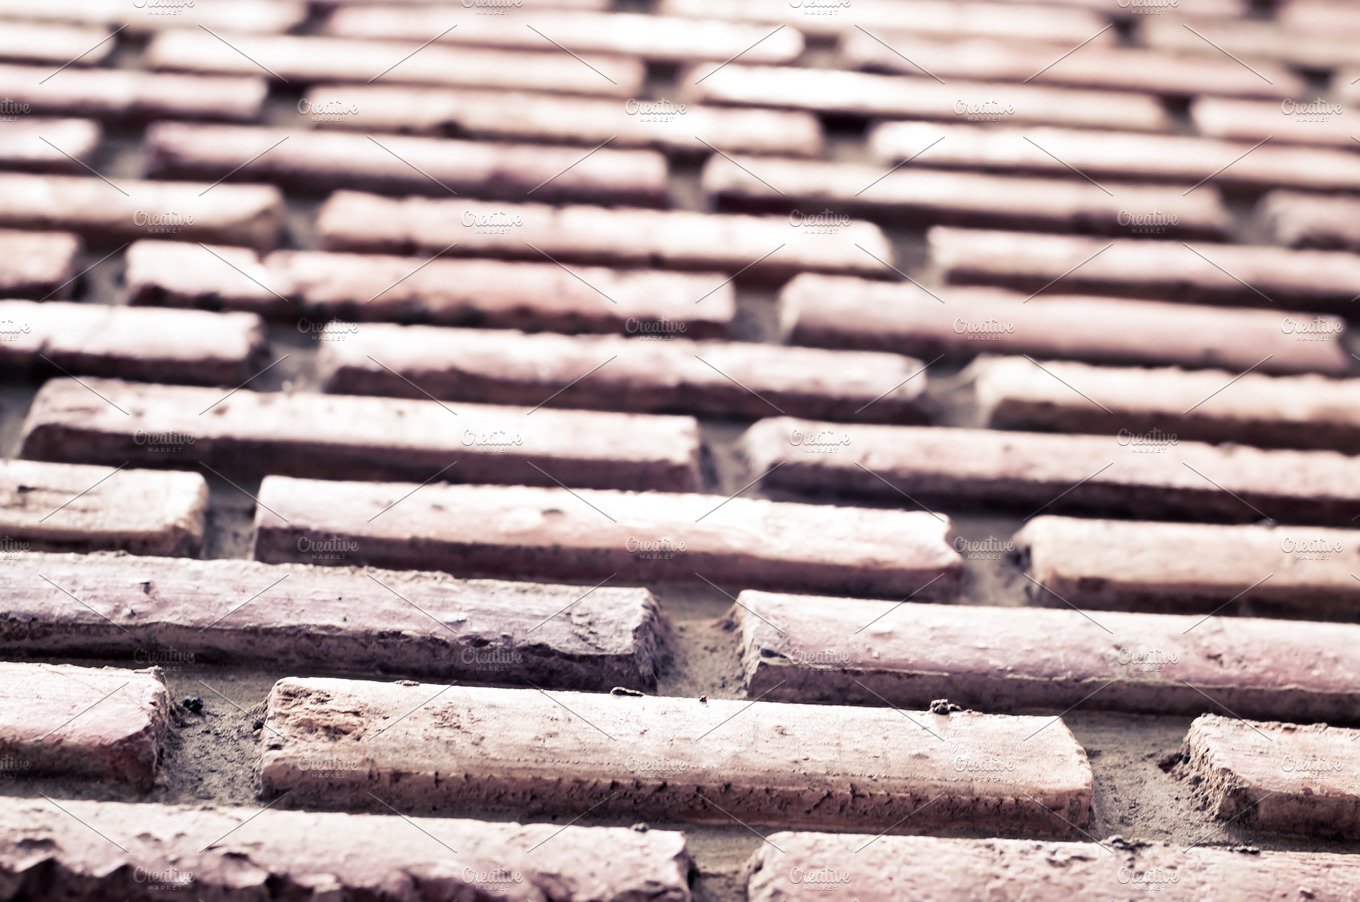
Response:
column 1311, row 220
column 122, row 95
column 46, row 42
column 37, row 264
column 49, row 145
column 229, row 15
column 1301, row 119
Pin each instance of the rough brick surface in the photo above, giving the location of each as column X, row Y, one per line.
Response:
column 49, row 145
column 329, row 618
column 838, row 652
column 301, row 433
column 130, row 95
column 678, row 758
column 37, row 264
column 184, row 854
column 1311, row 220
column 46, row 42
column 94, row 723
column 586, row 536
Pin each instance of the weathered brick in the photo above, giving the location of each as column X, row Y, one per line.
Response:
column 93, row 723
column 1301, row 119
column 842, row 312
column 71, row 507
column 326, row 160
column 1153, row 477
column 586, row 536
column 725, row 379
column 314, row 286
column 866, row 95
column 306, row 60
column 172, row 612
column 125, row 94
column 1209, row 406
column 805, row 867
column 833, row 651
column 1299, row 219
column 675, row 758
column 1144, row 267
column 226, row 15
column 1275, row 777
column 37, row 264
column 48, row 145
column 300, row 433
column 924, row 196
column 1178, row 567
column 130, row 209
column 51, row 849
column 666, row 125
column 766, row 247
column 45, row 42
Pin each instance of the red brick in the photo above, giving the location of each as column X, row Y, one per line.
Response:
column 1179, row 567
column 224, row 15
column 1311, row 220
column 675, row 758
column 51, row 848
column 1203, row 273
column 323, row 161
column 1253, row 41
column 586, row 536
column 49, row 145
column 839, row 652
column 725, row 379
column 1209, row 406
column 124, row 94
column 1301, row 119
column 43, row 42
column 299, row 433
column 129, row 209
column 71, row 507
column 766, row 247
column 1154, row 477
column 37, row 264
column 927, row 197
column 1275, row 777
column 901, row 317
column 172, row 612
column 91, row 723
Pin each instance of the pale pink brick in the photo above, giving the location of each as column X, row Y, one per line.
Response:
column 1253, row 41
column 224, row 15
column 45, row 42
column 49, row 145
column 1301, row 119
column 126, row 94
column 1323, row 221
column 37, row 264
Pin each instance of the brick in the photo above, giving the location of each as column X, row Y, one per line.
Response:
column 1149, row 268
column 838, row 652
column 1153, row 476
column 335, row 618
column 586, row 536
column 177, row 345
column 1321, row 221
column 662, row 124
column 41, row 42
column 130, row 209
column 487, row 7
column 1253, row 41
column 128, row 95
column 878, row 869
column 1071, row 153
column 314, row 286
column 1275, row 777
column 37, row 264
column 923, row 196
column 224, row 852
column 864, row 95
column 241, row 16
column 49, row 145
column 724, row 379
column 1209, row 406
column 764, row 247
column 85, row 722
column 300, row 433
column 1286, row 571
column 842, row 312
column 673, row 758
column 65, row 507
column 1317, row 15
column 307, row 60
column 324, row 161
column 662, row 38
column 1301, row 119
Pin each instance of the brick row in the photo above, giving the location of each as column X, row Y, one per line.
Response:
column 1317, row 15
column 85, row 508
column 48, row 145
column 1209, row 406
column 1301, row 119
column 251, row 433
column 666, row 125
column 833, row 651
column 264, row 16
column 724, row 379
column 37, row 264
column 1149, row 268
column 129, row 209
column 44, row 42
column 486, row 7
column 1252, row 41
column 1156, row 476
column 1298, row 219
column 766, row 247
column 307, row 60
column 104, row 724
column 588, row 536
column 312, row 287
column 1291, row 571
column 324, row 161
column 961, row 322
column 330, row 619
column 125, row 94
column 88, row 850
column 926, row 197
column 713, row 760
